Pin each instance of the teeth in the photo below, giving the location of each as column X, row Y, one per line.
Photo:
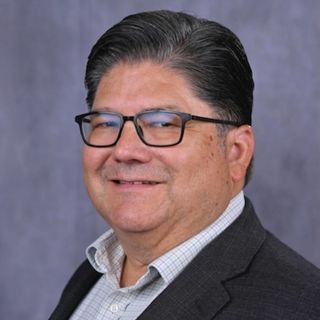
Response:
column 135, row 182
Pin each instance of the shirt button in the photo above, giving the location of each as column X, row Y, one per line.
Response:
column 114, row 308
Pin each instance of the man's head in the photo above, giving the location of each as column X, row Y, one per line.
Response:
column 169, row 61
column 208, row 54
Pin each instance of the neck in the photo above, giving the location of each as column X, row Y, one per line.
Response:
column 132, row 270
column 141, row 250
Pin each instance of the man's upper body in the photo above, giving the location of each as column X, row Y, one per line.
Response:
column 168, row 148
column 245, row 273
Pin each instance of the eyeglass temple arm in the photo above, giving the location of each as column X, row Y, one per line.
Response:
column 220, row 121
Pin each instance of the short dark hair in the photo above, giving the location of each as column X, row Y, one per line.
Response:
column 208, row 54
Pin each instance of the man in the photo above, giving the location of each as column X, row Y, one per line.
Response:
column 168, row 150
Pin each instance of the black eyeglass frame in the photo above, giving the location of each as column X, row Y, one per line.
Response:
column 185, row 117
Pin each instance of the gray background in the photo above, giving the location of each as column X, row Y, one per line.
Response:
column 46, row 218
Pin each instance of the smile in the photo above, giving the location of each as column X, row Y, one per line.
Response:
column 135, row 182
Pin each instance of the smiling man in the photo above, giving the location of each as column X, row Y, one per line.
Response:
column 168, row 151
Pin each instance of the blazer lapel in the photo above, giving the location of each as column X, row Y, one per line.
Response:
column 78, row 286
column 198, row 292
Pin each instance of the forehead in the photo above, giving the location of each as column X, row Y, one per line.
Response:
column 135, row 87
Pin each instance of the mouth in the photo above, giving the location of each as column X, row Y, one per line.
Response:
column 135, row 182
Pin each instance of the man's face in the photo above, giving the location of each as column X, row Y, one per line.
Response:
column 169, row 191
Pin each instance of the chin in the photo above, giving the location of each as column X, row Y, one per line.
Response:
column 132, row 227
column 132, row 222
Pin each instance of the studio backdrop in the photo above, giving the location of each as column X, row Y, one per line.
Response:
column 46, row 218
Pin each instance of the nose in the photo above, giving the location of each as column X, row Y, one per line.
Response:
column 129, row 147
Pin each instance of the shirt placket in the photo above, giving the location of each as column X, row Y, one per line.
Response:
column 115, row 305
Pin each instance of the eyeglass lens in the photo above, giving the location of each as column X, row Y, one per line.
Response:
column 155, row 128
column 101, row 129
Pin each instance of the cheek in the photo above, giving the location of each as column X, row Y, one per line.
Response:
column 211, row 153
column 206, row 166
column 94, row 158
column 89, row 163
column 93, row 161
column 193, row 167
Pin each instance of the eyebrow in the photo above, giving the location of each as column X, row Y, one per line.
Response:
column 156, row 108
column 102, row 109
column 162, row 108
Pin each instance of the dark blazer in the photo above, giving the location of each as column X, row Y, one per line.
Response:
column 245, row 273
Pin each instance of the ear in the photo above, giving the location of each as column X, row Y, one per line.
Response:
column 240, row 147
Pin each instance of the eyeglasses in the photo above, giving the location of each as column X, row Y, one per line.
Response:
column 159, row 128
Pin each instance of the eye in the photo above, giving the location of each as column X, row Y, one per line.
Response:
column 104, row 122
column 160, row 120
column 161, row 124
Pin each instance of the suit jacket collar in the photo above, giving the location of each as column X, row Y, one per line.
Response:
column 198, row 292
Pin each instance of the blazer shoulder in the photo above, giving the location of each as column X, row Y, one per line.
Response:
column 286, row 280
column 286, row 261
column 277, row 283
